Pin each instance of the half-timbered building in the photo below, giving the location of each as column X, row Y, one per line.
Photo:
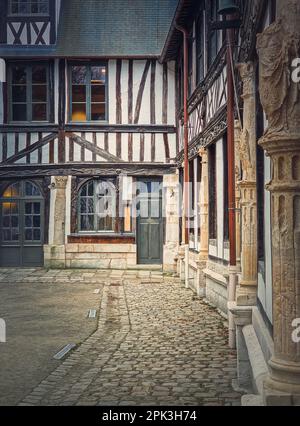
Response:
column 87, row 116
column 204, row 264
column 92, row 154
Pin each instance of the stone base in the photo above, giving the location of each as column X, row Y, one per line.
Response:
column 282, row 386
column 102, row 256
column 54, row 256
column 216, row 285
column 246, row 295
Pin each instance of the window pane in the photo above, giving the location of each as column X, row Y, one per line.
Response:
column 6, row 235
column 98, row 111
column 15, row 234
column 39, row 93
column 104, row 223
column 19, row 93
column 28, row 234
column 78, row 93
column 36, row 208
column 19, row 112
column 14, row 8
column 36, row 234
column 31, row 190
column 39, row 112
column 44, row 7
column 19, row 74
column 34, row 6
column 87, row 223
column 78, row 74
column 98, row 75
column 12, row 191
column 28, row 221
column 39, row 74
column 78, row 112
column 15, row 221
column 36, row 221
column 98, row 93
column 6, row 221
column 23, row 6
column 28, row 208
column 91, row 188
column 14, row 208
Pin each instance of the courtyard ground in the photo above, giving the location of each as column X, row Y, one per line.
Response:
column 156, row 343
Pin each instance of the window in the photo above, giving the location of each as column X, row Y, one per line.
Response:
column 226, row 195
column 200, row 47
column 212, row 192
column 21, row 209
column 29, row 7
column 190, row 63
column 88, row 92
column 29, row 92
column 97, row 206
column 212, row 34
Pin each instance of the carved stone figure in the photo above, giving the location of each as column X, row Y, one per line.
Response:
column 277, row 47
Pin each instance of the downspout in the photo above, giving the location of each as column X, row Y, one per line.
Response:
column 231, row 185
column 186, row 154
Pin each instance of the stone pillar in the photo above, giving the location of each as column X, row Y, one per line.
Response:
column 54, row 253
column 247, row 290
column 171, row 185
column 237, row 139
column 203, row 204
column 277, row 47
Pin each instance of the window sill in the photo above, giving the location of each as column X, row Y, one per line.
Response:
column 101, row 238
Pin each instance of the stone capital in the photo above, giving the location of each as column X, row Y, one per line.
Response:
column 60, row 182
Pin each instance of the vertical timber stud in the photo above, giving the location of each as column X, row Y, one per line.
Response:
column 186, row 159
column 61, row 111
column 229, row 11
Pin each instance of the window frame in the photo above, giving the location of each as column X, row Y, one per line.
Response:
column 212, row 15
column 88, row 90
column 95, row 231
column 29, row 103
column 37, row 14
column 200, row 45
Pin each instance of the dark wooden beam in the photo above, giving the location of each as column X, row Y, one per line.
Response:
column 91, row 147
column 100, row 128
column 86, row 169
column 141, row 92
column 29, row 148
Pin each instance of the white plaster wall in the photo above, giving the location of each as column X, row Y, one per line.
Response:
column 51, row 213
column 68, row 209
column 220, row 197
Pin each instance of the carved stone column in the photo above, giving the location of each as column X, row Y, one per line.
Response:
column 203, row 204
column 60, row 209
column 54, row 253
column 247, row 290
column 277, row 47
column 237, row 138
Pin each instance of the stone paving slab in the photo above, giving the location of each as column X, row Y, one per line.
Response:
column 156, row 343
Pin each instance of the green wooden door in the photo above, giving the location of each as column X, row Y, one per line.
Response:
column 149, row 222
column 21, row 225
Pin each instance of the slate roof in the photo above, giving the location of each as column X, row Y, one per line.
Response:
column 107, row 28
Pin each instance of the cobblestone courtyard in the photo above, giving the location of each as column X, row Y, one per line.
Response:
column 156, row 343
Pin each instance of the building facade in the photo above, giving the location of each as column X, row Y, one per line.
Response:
column 87, row 121
column 91, row 151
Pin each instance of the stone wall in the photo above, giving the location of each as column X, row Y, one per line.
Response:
column 106, row 256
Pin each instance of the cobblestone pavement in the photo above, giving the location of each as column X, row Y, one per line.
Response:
column 156, row 344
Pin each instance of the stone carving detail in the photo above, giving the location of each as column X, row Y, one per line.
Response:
column 247, row 147
column 277, row 47
column 60, row 183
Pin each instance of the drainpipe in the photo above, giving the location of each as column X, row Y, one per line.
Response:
column 186, row 154
column 231, row 185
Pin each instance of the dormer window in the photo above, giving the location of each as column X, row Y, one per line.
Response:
column 29, row 7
